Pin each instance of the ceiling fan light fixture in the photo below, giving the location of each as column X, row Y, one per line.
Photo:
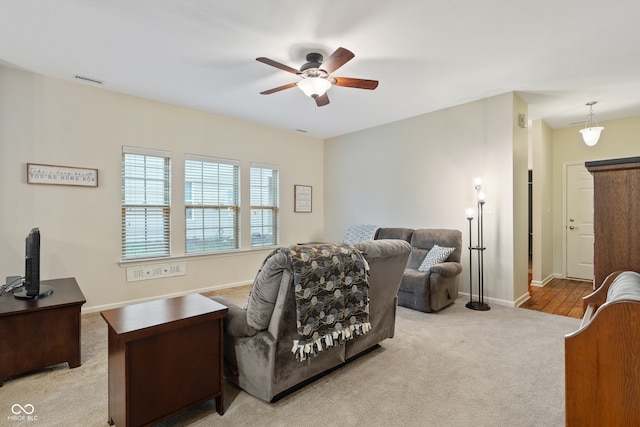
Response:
column 314, row 86
column 591, row 133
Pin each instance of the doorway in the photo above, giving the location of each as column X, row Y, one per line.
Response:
column 578, row 222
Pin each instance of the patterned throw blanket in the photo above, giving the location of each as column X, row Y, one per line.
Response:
column 331, row 283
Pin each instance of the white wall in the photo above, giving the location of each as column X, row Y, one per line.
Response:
column 49, row 121
column 620, row 138
column 419, row 172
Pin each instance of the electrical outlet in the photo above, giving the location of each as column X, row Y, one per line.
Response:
column 156, row 271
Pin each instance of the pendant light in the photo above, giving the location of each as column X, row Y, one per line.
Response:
column 591, row 133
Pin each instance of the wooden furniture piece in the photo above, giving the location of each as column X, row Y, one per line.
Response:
column 43, row 332
column 164, row 356
column 616, row 224
column 602, row 361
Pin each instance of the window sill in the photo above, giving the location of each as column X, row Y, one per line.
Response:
column 222, row 254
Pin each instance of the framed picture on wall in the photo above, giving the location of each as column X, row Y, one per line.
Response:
column 61, row 175
column 302, row 198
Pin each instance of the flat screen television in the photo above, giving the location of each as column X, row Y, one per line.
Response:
column 32, row 288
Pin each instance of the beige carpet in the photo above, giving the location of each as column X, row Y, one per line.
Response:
column 459, row 367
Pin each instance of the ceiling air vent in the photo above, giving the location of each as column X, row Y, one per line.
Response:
column 89, row 80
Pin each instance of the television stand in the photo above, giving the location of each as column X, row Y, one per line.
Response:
column 37, row 333
column 45, row 291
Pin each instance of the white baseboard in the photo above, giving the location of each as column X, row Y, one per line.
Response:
column 544, row 281
column 489, row 300
column 523, row 298
column 95, row 308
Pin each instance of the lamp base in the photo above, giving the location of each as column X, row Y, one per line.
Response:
column 477, row 305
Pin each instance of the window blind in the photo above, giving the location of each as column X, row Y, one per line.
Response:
column 212, row 208
column 265, row 202
column 146, row 203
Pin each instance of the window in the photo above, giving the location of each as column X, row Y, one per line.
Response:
column 212, row 210
column 146, row 203
column 264, row 205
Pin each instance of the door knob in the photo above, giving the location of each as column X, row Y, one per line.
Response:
column 571, row 227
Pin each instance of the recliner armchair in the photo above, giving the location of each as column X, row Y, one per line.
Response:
column 437, row 288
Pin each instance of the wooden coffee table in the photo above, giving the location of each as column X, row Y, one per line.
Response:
column 40, row 332
column 164, row 357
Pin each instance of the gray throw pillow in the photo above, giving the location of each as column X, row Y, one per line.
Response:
column 436, row 255
column 359, row 233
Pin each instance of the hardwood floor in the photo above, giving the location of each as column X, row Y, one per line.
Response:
column 560, row 296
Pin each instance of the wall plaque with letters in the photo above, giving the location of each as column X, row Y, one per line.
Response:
column 61, row 175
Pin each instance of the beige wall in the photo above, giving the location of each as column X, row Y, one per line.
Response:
column 520, row 191
column 414, row 173
column 44, row 120
column 542, row 165
column 419, row 173
column 620, row 138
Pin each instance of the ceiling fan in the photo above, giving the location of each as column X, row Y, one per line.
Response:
column 316, row 75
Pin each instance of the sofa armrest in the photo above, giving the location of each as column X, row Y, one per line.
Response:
column 235, row 321
column 447, row 269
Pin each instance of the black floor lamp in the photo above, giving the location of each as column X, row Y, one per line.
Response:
column 479, row 305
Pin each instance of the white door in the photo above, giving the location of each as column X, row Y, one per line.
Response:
column 579, row 222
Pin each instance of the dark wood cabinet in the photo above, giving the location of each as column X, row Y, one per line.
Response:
column 616, row 215
column 40, row 332
column 164, row 356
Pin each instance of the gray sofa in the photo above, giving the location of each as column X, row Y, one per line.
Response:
column 258, row 345
column 431, row 290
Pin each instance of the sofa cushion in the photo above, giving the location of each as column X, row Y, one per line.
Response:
column 436, row 255
column 265, row 288
column 395, row 233
column 382, row 249
column 414, row 282
column 423, row 240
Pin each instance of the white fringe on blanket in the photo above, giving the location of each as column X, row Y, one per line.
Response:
column 305, row 349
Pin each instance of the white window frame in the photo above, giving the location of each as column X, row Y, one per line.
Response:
column 265, row 206
column 146, row 204
column 207, row 208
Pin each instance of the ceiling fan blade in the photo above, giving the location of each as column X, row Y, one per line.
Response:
column 277, row 65
column 336, row 60
column 278, row 89
column 322, row 100
column 357, row 83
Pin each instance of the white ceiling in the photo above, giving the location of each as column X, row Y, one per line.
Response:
column 427, row 54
